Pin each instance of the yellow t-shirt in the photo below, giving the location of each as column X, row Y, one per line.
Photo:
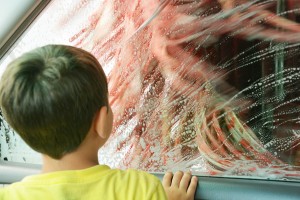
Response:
column 99, row 182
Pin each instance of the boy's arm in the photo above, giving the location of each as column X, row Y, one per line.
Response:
column 181, row 186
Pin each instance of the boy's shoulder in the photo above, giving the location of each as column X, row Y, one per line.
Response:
column 136, row 175
column 140, row 183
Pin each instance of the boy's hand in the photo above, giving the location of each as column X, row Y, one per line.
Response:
column 181, row 186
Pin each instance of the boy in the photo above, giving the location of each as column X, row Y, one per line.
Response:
column 56, row 98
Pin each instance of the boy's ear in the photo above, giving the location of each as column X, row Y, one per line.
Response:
column 100, row 122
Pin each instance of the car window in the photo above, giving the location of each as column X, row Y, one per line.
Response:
column 206, row 86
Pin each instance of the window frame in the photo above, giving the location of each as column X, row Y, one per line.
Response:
column 26, row 18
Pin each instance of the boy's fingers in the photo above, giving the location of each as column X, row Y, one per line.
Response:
column 177, row 178
column 167, row 179
column 193, row 185
column 185, row 181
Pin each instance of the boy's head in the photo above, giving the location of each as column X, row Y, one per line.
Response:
column 50, row 96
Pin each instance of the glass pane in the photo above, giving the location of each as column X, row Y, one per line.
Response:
column 210, row 86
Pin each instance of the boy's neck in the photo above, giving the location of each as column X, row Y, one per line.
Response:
column 84, row 157
column 68, row 162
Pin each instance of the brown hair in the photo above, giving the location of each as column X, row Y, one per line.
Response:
column 50, row 96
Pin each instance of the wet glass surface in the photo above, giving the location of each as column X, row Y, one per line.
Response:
column 211, row 86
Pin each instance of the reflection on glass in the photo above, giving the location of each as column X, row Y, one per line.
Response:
column 210, row 86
